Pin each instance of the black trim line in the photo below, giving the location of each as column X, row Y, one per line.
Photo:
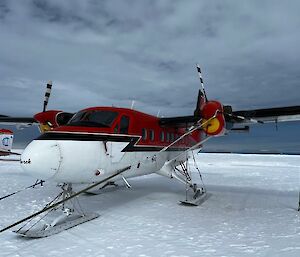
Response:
column 131, row 147
column 86, row 137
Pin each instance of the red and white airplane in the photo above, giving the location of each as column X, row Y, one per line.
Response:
column 100, row 145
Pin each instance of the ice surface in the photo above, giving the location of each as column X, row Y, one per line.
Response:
column 252, row 212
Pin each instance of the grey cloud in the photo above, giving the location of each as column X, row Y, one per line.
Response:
column 4, row 9
column 112, row 52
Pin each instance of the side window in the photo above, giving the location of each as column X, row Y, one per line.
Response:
column 116, row 129
column 168, row 137
column 162, row 136
column 151, row 135
column 124, row 125
column 144, row 134
column 63, row 118
column 172, row 137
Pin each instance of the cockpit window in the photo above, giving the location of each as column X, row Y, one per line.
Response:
column 124, row 125
column 63, row 118
column 93, row 118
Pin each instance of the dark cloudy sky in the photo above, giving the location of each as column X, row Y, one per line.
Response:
column 112, row 52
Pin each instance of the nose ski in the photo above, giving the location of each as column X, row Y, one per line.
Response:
column 68, row 219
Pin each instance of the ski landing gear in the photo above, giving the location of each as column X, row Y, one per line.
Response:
column 67, row 220
column 194, row 195
column 63, row 217
column 198, row 196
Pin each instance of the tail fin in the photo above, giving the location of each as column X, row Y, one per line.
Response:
column 6, row 141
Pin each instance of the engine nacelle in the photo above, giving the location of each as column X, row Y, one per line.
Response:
column 52, row 119
column 213, row 126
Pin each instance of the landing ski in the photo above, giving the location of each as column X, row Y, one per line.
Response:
column 49, row 230
column 196, row 201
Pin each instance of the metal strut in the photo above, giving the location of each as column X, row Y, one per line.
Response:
column 199, row 172
column 22, row 228
column 184, row 171
column 299, row 202
column 199, row 194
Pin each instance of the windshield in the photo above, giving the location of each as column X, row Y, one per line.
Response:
column 93, row 118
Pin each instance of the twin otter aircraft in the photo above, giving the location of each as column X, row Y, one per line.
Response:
column 101, row 145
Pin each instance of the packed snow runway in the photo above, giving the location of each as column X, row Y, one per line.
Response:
column 251, row 212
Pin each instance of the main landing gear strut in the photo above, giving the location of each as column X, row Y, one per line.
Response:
column 194, row 194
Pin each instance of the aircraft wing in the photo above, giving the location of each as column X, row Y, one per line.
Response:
column 279, row 114
column 180, row 122
column 21, row 121
column 244, row 117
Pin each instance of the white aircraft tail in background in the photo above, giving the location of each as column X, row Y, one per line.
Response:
column 6, row 141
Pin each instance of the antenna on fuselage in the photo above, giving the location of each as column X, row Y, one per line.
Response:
column 47, row 95
column 158, row 113
column 132, row 104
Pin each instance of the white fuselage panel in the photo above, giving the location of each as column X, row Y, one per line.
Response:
column 87, row 161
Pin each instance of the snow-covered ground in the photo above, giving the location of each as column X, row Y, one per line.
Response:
column 251, row 212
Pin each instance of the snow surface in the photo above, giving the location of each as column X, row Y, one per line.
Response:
column 252, row 212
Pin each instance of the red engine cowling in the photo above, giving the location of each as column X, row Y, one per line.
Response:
column 47, row 120
column 52, row 119
column 212, row 118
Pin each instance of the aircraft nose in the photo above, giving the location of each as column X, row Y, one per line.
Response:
column 41, row 159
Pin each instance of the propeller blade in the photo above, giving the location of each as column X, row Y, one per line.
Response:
column 201, row 82
column 237, row 118
column 47, row 95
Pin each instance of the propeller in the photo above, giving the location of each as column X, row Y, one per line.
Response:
column 226, row 109
column 42, row 117
column 210, row 113
column 49, row 119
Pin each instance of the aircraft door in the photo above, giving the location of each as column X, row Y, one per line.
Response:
column 124, row 125
column 115, row 148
